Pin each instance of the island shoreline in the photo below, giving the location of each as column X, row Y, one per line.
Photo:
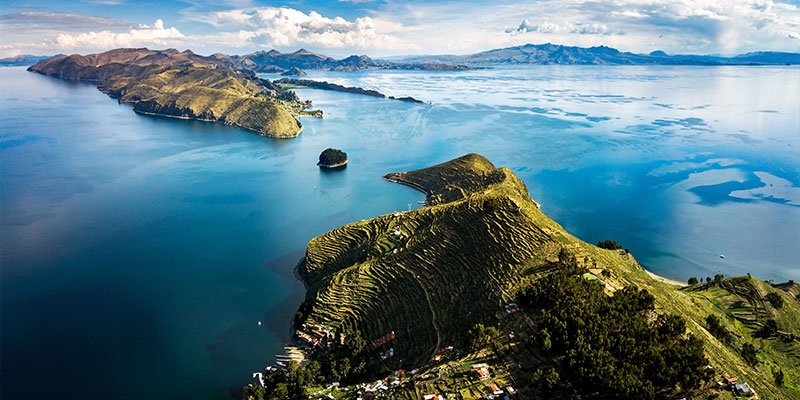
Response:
column 214, row 121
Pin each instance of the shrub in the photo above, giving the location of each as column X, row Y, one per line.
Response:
column 775, row 299
column 716, row 328
column 332, row 157
column 749, row 354
column 609, row 244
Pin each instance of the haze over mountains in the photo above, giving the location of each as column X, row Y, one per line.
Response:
column 557, row 54
column 274, row 61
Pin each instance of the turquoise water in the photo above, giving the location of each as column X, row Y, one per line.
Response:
column 140, row 253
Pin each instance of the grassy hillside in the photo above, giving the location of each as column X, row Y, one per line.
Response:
column 425, row 274
column 184, row 85
column 393, row 293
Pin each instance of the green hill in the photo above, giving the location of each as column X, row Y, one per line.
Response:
column 482, row 279
column 184, row 85
column 430, row 274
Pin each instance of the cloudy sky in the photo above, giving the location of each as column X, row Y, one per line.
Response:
column 389, row 27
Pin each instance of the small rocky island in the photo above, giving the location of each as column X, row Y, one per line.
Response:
column 332, row 158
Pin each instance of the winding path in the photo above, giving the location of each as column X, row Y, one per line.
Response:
column 431, row 307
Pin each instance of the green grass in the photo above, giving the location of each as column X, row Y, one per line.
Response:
column 194, row 90
column 459, row 260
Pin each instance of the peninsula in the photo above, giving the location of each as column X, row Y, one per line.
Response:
column 185, row 85
column 288, row 83
column 480, row 293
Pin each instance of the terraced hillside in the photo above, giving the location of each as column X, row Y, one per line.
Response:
column 753, row 312
column 394, row 293
column 184, row 85
column 429, row 275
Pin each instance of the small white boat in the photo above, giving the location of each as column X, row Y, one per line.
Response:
column 722, row 256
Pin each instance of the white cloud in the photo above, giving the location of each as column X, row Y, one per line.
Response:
column 593, row 28
column 390, row 28
column 700, row 26
column 286, row 27
column 66, row 21
column 141, row 36
column 526, row 26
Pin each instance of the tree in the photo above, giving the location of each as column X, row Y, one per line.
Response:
column 313, row 368
column 332, row 157
column 544, row 338
column 343, row 367
column 281, row 391
column 749, row 354
column 255, row 392
column 779, row 378
column 480, row 336
column 606, row 346
column 775, row 299
column 609, row 244
column 770, row 328
column 693, row 281
column 716, row 328
column 565, row 257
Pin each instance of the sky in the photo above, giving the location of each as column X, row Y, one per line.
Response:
column 381, row 28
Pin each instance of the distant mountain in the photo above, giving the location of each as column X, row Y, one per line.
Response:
column 23, row 60
column 274, row 61
column 569, row 55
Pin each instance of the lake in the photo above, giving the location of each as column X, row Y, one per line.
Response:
column 139, row 254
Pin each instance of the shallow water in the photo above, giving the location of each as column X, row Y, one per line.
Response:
column 139, row 253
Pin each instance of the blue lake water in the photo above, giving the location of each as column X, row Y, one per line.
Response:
column 139, row 253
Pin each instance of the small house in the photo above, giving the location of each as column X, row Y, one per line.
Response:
column 481, row 372
column 495, row 389
column 742, row 389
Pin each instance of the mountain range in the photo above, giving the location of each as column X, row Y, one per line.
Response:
column 274, row 61
column 570, row 55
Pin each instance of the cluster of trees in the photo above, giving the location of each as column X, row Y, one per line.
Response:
column 716, row 328
column 779, row 377
column 330, row 86
column 480, row 336
column 775, row 299
column 770, row 328
column 289, row 384
column 749, row 354
column 340, row 363
column 609, row 244
column 608, row 347
column 332, row 157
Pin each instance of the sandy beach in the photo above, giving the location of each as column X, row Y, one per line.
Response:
column 664, row 280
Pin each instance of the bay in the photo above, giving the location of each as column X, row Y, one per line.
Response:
column 140, row 253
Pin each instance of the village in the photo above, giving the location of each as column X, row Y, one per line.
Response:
column 491, row 374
